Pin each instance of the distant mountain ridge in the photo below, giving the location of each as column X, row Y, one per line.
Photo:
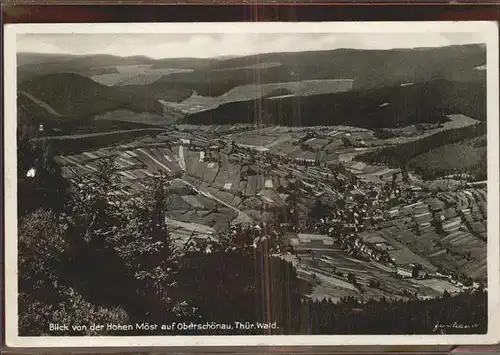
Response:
column 242, row 61
column 389, row 87
column 368, row 68
column 27, row 58
column 31, row 65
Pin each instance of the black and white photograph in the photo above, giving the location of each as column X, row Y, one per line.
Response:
column 210, row 184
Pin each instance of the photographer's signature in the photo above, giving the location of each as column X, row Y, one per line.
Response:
column 454, row 325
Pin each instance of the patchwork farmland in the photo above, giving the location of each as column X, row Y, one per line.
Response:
column 377, row 226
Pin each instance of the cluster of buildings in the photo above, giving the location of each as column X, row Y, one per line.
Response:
column 355, row 246
column 412, row 270
column 353, row 205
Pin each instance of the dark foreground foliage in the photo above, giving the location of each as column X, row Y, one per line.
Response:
column 98, row 259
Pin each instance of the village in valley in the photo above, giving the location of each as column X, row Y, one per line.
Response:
column 350, row 228
column 324, row 190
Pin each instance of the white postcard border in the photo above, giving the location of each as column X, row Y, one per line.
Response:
column 490, row 31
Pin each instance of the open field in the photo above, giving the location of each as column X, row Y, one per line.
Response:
column 169, row 117
column 325, row 144
column 198, row 103
column 415, row 132
column 135, row 75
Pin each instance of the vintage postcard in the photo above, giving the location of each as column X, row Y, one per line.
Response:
column 211, row 184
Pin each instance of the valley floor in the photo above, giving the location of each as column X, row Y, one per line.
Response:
column 351, row 228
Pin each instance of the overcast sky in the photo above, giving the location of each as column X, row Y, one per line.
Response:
column 214, row 45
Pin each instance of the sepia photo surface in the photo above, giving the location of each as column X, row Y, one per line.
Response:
column 237, row 184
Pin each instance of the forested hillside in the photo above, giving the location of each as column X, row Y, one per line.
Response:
column 75, row 97
column 368, row 68
column 406, row 154
column 386, row 107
